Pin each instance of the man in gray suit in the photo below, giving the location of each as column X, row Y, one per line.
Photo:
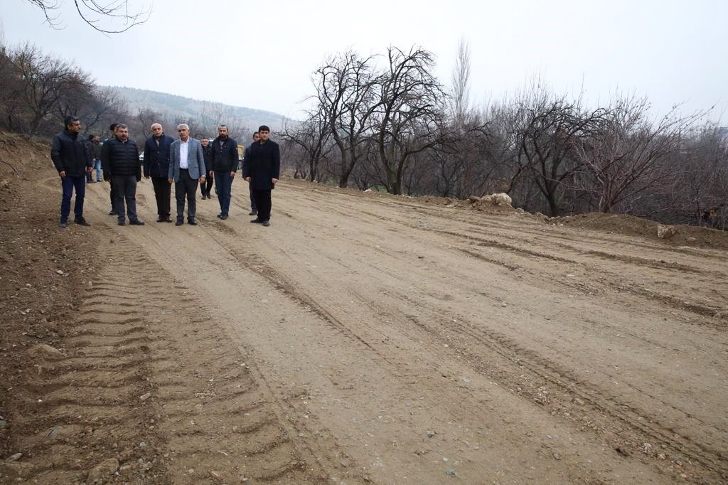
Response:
column 186, row 169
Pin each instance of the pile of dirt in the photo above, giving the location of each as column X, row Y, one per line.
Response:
column 680, row 235
column 488, row 204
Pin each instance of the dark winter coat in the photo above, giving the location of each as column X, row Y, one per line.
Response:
column 69, row 154
column 95, row 150
column 246, row 156
column 224, row 158
column 207, row 152
column 263, row 165
column 121, row 158
column 156, row 156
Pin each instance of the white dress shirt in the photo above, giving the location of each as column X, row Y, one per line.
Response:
column 183, row 152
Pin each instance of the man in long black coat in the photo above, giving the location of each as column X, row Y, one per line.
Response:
column 156, row 166
column 263, row 171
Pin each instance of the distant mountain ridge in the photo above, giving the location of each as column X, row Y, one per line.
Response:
column 205, row 112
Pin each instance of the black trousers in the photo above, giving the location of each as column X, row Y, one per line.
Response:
column 207, row 186
column 264, row 203
column 162, row 192
column 185, row 188
column 112, row 196
column 253, row 206
column 125, row 191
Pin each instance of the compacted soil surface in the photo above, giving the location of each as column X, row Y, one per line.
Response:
column 359, row 338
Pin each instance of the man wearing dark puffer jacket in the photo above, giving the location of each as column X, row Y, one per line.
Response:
column 120, row 159
column 73, row 162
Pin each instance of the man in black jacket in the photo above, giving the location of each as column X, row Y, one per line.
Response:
column 120, row 159
column 72, row 160
column 156, row 166
column 224, row 161
column 206, row 188
column 263, row 171
column 253, row 207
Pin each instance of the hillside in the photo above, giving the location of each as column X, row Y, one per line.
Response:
column 180, row 107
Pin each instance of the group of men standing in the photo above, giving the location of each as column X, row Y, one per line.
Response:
column 184, row 162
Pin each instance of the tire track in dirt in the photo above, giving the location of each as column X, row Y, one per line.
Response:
column 543, row 381
column 518, row 236
column 556, row 388
column 615, row 281
column 254, row 262
column 515, row 361
column 147, row 379
column 512, row 224
column 643, row 425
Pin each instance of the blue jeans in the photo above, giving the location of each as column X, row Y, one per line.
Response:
column 99, row 172
column 68, row 183
column 224, row 183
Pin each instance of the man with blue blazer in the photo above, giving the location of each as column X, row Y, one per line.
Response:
column 186, row 169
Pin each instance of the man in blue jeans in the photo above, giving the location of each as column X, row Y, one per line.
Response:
column 72, row 160
column 95, row 152
column 224, row 161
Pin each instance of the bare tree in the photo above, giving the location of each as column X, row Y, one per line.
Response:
column 146, row 117
column 107, row 16
column 312, row 136
column 75, row 94
column 45, row 81
column 461, row 84
column 345, row 90
column 409, row 112
column 624, row 155
column 12, row 107
column 548, row 128
column 696, row 175
column 104, row 107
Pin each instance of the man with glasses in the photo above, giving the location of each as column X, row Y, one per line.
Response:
column 72, row 160
column 224, row 161
column 156, row 166
column 186, row 168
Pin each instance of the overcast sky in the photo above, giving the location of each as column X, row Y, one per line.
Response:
column 261, row 54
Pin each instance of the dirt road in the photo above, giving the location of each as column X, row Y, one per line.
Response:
column 388, row 340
